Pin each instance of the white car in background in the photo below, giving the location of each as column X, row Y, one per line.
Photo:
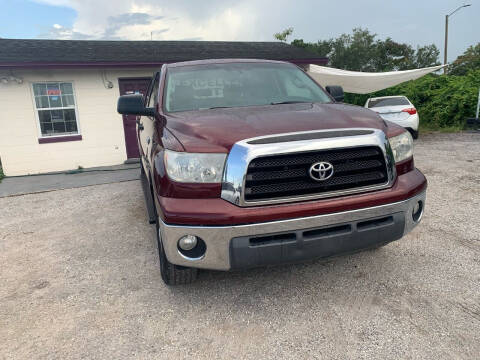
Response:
column 397, row 109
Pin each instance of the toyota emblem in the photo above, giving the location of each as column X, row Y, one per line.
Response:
column 321, row 171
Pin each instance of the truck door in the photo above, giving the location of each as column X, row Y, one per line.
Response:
column 132, row 86
column 145, row 125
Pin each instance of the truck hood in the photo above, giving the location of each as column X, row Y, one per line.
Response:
column 217, row 130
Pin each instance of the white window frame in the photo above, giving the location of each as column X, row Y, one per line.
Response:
column 39, row 127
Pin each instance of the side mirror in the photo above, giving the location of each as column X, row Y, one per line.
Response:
column 133, row 105
column 336, row 92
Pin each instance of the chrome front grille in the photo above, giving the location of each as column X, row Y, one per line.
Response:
column 281, row 176
column 275, row 169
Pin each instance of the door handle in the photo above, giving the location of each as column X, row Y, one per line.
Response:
column 140, row 125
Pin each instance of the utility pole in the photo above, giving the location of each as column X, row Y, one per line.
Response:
column 446, row 45
column 446, row 34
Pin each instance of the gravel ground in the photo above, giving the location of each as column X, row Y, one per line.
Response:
column 80, row 279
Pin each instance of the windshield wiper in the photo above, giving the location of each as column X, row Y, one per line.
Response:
column 273, row 103
column 290, row 102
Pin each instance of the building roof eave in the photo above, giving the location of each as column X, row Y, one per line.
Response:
column 119, row 64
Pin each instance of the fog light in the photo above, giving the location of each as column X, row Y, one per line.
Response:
column 191, row 247
column 187, row 242
column 417, row 211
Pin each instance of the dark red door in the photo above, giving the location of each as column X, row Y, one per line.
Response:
column 132, row 86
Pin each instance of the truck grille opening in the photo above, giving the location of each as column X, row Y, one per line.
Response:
column 284, row 176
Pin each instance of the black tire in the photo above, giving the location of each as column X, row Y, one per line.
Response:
column 147, row 193
column 173, row 274
column 414, row 133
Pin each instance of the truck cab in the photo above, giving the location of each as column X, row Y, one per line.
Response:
column 248, row 163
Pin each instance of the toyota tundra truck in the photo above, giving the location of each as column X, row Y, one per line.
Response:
column 248, row 163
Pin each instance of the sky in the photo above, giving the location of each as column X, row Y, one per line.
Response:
column 416, row 22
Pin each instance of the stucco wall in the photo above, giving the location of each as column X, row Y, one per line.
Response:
column 101, row 127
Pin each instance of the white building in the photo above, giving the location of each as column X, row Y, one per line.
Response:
column 58, row 97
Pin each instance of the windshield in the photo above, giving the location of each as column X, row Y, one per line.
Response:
column 238, row 84
column 388, row 102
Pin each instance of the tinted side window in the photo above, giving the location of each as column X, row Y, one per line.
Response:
column 153, row 96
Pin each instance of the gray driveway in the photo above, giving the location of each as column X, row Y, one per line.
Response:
column 20, row 185
column 80, row 280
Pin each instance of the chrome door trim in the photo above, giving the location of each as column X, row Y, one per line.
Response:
column 242, row 152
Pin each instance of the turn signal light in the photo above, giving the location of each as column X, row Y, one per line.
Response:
column 411, row 111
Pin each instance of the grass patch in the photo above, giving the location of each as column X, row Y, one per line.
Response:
column 428, row 128
column 2, row 175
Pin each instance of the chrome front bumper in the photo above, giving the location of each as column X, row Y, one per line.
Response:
column 220, row 240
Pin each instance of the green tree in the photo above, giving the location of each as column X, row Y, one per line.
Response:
column 354, row 52
column 399, row 56
column 470, row 60
column 321, row 48
column 391, row 55
column 362, row 51
column 283, row 36
column 426, row 56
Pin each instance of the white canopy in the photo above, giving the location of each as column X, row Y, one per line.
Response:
column 365, row 82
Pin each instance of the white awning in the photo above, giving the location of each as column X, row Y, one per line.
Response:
column 365, row 82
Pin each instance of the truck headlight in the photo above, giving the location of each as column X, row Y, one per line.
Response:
column 402, row 146
column 194, row 167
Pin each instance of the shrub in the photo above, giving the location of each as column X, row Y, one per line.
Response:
column 442, row 101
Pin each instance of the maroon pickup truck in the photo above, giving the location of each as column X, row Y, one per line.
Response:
column 250, row 163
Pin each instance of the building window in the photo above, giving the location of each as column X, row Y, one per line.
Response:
column 55, row 106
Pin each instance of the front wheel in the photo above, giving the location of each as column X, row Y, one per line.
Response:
column 173, row 274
